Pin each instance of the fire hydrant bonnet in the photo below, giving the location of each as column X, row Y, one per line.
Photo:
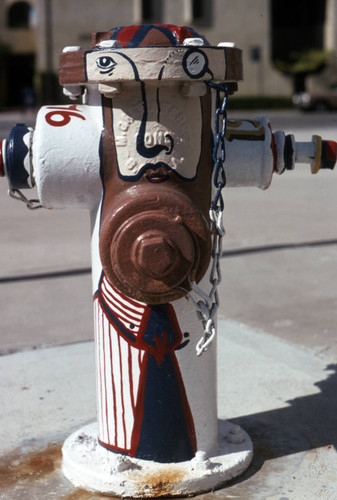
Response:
column 126, row 60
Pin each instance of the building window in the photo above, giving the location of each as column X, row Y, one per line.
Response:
column 152, row 11
column 19, row 15
column 202, row 12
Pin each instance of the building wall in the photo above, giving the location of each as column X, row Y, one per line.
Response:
column 232, row 21
column 245, row 22
column 72, row 23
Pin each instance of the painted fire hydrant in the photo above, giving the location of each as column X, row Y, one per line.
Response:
column 148, row 152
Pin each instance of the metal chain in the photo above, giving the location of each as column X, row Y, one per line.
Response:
column 208, row 304
column 18, row 195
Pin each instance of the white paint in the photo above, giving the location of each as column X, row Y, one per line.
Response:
column 227, row 44
column 27, row 162
column 109, row 44
column 194, row 42
column 88, row 465
column 193, row 89
column 4, row 146
column 305, row 152
column 180, row 124
column 72, row 91
column 71, row 48
column 249, row 155
column 66, row 158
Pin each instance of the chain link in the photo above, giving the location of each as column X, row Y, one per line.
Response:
column 207, row 304
column 18, row 195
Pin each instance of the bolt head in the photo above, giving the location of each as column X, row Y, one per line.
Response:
column 153, row 254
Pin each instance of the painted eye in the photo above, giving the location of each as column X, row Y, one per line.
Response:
column 106, row 64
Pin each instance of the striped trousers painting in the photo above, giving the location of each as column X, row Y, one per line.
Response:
column 143, row 409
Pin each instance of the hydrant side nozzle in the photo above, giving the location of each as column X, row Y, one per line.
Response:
column 16, row 157
column 321, row 154
column 318, row 153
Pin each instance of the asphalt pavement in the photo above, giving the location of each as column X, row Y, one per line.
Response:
column 277, row 332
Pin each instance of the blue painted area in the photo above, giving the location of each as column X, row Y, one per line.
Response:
column 167, row 425
column 17, row 151
column 164, row 436
column 158, row 323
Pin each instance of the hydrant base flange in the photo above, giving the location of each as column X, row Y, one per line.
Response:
column 89, row 465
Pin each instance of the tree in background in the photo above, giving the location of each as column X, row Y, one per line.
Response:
column 298, row 39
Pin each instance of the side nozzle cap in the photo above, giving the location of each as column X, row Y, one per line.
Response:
column 18, row 157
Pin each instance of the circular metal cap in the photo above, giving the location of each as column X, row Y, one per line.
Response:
column 154, row 244
column 152, row 253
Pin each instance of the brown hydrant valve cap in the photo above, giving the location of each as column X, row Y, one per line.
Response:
column 154, row 244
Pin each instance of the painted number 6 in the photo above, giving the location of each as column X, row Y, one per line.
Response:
column 65, row 113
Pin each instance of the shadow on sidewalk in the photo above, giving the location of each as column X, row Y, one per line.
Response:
column 309, row 422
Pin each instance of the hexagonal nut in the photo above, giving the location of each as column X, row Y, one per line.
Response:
column 154, row 254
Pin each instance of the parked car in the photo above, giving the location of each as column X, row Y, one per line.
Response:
column 317, row 101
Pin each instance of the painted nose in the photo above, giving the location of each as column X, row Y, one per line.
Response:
column 141, row 144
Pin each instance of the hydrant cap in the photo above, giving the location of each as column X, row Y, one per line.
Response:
column 149, row 35
column 170, row 55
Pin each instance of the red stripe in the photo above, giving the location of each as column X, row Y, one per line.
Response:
column 105, row 388
column 119, row 302
column 113, row 388
column 122, row 392
column 126, row 34
column 123, row 313
column 128, row 299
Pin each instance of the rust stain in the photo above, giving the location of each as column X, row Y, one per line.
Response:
column 23, row 468
column 159, row 484
column 20, row 467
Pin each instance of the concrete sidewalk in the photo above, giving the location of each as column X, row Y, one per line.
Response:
column 282, row 396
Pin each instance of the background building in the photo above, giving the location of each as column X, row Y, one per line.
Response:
column 33, row 34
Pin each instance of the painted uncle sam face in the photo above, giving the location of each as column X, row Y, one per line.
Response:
column 153, row 132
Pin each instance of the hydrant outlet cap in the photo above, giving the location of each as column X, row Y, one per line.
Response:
column 154, row 244
column 152, row 252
